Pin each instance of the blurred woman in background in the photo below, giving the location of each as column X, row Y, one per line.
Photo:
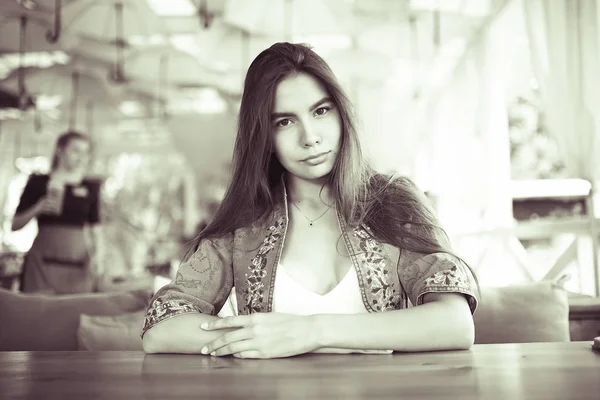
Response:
column 65, row 204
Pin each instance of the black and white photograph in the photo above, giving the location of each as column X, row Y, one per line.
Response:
column 300, row 199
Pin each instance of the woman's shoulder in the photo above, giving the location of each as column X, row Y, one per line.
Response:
column 204, row 246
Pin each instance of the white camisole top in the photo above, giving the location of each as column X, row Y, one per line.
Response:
column 289, row 296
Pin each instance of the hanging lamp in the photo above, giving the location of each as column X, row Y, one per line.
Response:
column 54, row 36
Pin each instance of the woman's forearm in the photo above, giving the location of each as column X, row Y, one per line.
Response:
column 437, row 325
column 180, row 334
column 21, row 219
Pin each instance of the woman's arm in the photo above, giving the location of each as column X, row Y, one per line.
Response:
column 21, row 219
column 444, row 292
column 32, row 203
column 200, row 289
column 181, row 334
column 443, row 322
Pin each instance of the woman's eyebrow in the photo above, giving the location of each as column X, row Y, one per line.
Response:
column 289, row 114
column 320, row 102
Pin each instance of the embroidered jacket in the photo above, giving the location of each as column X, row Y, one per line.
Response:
column 390, row 278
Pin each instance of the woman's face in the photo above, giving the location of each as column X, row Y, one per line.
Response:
column 307, row 127
column 74, row 155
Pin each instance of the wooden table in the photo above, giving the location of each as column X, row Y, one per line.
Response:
column 509, row 371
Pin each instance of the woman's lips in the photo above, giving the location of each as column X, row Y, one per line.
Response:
column 317, row 158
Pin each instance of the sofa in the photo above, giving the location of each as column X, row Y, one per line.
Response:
column 536, row 312
column 35, row 322
column 584, row 317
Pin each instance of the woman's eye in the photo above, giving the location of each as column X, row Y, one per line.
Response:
column 322, row 110
column 283, row 123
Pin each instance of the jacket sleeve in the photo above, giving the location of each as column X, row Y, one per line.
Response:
column 436, row 273
column 201, row 285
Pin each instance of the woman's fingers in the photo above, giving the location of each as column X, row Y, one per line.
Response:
column 235, row 347
column 227, row 339
column 239, row 321
column 248, row 354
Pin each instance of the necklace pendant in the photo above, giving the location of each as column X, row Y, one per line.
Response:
column 310, row 223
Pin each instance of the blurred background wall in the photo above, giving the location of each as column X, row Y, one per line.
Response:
column 488, row 105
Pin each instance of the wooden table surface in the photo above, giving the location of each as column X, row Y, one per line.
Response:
column 508, row 371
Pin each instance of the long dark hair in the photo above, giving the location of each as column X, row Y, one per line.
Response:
column 63, row 141
column 393, row 208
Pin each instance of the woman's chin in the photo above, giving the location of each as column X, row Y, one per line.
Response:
column 313, row 175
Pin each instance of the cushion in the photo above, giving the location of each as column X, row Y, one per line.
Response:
column 107, row 333
column 536, row 312
column 31, row 322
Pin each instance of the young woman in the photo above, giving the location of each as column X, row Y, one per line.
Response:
column 325, row 254
column 64, row 203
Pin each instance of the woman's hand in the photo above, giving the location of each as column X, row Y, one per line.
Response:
column 263, row 335
column 47, row 205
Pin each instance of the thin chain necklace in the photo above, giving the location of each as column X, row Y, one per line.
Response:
column 310, row 221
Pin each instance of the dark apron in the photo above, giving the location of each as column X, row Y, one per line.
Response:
column 58, row 262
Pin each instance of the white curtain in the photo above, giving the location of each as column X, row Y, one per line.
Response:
column 564, row 42
column 468, row 162
column 563, row 37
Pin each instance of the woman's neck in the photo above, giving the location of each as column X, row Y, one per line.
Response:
column 311, row 194
column 68, row 175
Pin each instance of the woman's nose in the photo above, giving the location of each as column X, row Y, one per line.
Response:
column 310, row 136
